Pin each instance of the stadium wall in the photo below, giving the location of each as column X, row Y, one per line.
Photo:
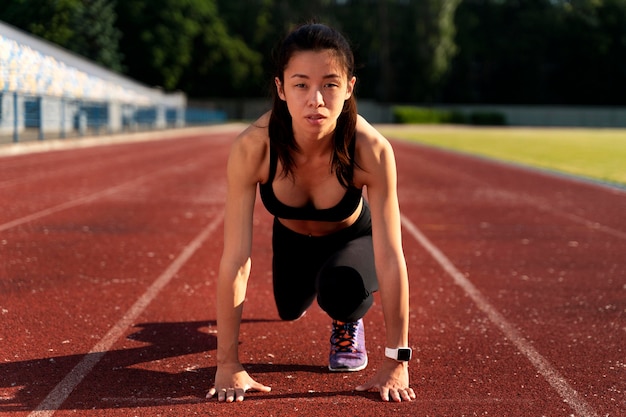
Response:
column 539, row 116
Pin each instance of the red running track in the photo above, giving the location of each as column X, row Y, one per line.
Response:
column 108, row 259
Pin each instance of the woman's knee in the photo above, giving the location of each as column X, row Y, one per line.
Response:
column 291, row 308
column 291, row 315
column 343, row 295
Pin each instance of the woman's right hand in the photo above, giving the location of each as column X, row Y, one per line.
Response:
column 232, row 382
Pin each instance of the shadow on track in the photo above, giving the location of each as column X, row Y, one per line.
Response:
column 144, row 376
column 24, row 384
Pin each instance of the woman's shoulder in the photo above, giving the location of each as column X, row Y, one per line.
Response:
column 374, row 156
column 250, row 151
column 369, row 139
column 256, row 134
column 255, row 137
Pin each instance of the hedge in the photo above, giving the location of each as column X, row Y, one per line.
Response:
column 424, row 115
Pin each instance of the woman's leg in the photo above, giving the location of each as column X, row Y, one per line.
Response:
column 294, row 270
column 347, row 281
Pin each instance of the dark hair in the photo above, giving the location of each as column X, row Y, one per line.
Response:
column 313, row 37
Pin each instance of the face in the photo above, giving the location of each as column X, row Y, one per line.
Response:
column 315, row 88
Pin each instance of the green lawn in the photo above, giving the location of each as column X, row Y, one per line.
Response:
column 594, row 153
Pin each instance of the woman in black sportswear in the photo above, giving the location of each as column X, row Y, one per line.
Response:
column 312, row 156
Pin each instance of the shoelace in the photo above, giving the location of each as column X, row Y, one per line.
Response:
column 343, row 336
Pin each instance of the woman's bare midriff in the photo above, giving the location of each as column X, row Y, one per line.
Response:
column 318, row 228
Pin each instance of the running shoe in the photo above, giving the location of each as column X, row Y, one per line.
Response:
column 347, row 347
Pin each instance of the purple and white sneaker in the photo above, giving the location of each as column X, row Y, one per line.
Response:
column 347, row 347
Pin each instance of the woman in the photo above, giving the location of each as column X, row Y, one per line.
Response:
column 311, row 156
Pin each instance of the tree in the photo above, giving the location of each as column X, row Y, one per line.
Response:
column 183, row 44
column 507, row 52
column 48, row 20
column 568, row 52
column 395, row 41
column 95, row 35
column 86, row 27
column 436, row 43
column 592, row 56
column 261, row 24
column 471, row 51
column 405, row 47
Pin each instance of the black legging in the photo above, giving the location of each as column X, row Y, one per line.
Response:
column 337, row 268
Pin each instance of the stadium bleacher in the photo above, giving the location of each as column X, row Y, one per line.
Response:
column 49, row 88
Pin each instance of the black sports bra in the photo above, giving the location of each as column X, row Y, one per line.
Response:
column 344, row 209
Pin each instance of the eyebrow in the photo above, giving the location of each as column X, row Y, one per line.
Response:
column 328, row 76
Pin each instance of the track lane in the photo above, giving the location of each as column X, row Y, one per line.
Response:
column 64, row 182
column 543, row 367
column 72, row 272
column 507, row 233
column 545, row 250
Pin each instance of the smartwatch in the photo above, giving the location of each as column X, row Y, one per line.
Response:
column 400, row 354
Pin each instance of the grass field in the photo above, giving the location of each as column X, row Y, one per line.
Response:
column 599, row 154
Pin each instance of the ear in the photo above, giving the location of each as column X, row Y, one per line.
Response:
column 350, row 87
column 279, row 89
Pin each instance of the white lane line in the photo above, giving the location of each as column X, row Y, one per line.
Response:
column 151, row 402
column 541, row 364
column 581, row 220
column 547, row 207
column 86, row 199
column 65, row 388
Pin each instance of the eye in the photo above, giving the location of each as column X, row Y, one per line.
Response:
column 331, row 85
column 300, row 85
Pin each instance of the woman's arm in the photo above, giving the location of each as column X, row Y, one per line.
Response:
column 243, row 174
column 378, row 171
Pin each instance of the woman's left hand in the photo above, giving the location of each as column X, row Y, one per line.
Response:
column 392, row 382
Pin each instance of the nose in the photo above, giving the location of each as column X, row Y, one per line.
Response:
column 316, row 99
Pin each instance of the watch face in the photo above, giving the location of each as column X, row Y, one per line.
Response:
column 404, row 355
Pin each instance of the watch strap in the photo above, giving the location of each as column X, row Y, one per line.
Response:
column 402, row 354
